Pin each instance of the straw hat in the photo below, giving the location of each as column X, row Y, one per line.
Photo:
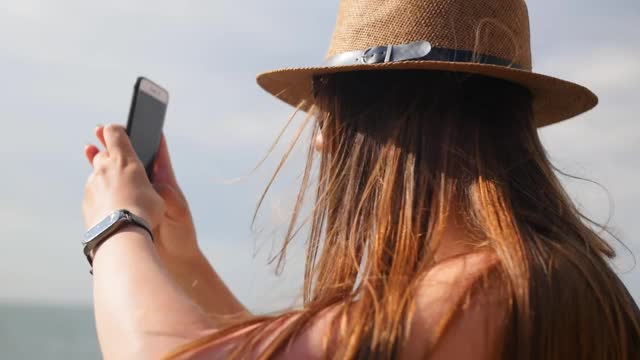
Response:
column 486, row 37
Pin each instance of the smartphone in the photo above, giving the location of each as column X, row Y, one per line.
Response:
column 146, row 118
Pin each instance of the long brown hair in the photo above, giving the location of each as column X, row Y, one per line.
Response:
column 400, row 147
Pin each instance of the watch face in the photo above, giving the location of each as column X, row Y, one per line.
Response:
column 101, row 226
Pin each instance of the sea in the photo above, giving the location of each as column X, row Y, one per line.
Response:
column 47, row 332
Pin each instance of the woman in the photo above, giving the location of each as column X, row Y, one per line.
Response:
column 439, row 229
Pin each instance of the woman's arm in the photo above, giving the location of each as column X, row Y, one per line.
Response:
column 140, row 313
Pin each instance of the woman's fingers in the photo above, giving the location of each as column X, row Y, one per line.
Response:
column 100, row 134
column 162, row 169
column 117, row 142
column 99, row 161
column 90, row 151
column 163, row 152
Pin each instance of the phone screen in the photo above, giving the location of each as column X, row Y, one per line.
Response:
column 145, row 122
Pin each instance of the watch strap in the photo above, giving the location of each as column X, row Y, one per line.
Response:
column 125, row 218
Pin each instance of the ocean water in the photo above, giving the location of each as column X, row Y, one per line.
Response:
column 47, row 332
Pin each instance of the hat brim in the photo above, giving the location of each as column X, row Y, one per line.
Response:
column 554, row 99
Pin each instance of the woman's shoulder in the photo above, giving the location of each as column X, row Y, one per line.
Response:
column 458, row 275
column 460, row 305
column 465, row 335
column 465, row 265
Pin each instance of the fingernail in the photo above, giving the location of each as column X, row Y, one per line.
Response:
column 99, row 125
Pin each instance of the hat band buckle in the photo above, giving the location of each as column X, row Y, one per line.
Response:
column 415, row 51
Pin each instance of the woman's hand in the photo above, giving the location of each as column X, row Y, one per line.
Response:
column 172, row 224
column 118, row 181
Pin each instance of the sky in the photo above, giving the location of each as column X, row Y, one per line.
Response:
column 68, row 65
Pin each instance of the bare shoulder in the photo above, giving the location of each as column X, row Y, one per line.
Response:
column 459, row 309
column 437, row 324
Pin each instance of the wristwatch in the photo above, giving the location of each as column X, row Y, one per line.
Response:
column 107, row 227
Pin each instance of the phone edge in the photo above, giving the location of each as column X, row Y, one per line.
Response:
column 136, row 87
